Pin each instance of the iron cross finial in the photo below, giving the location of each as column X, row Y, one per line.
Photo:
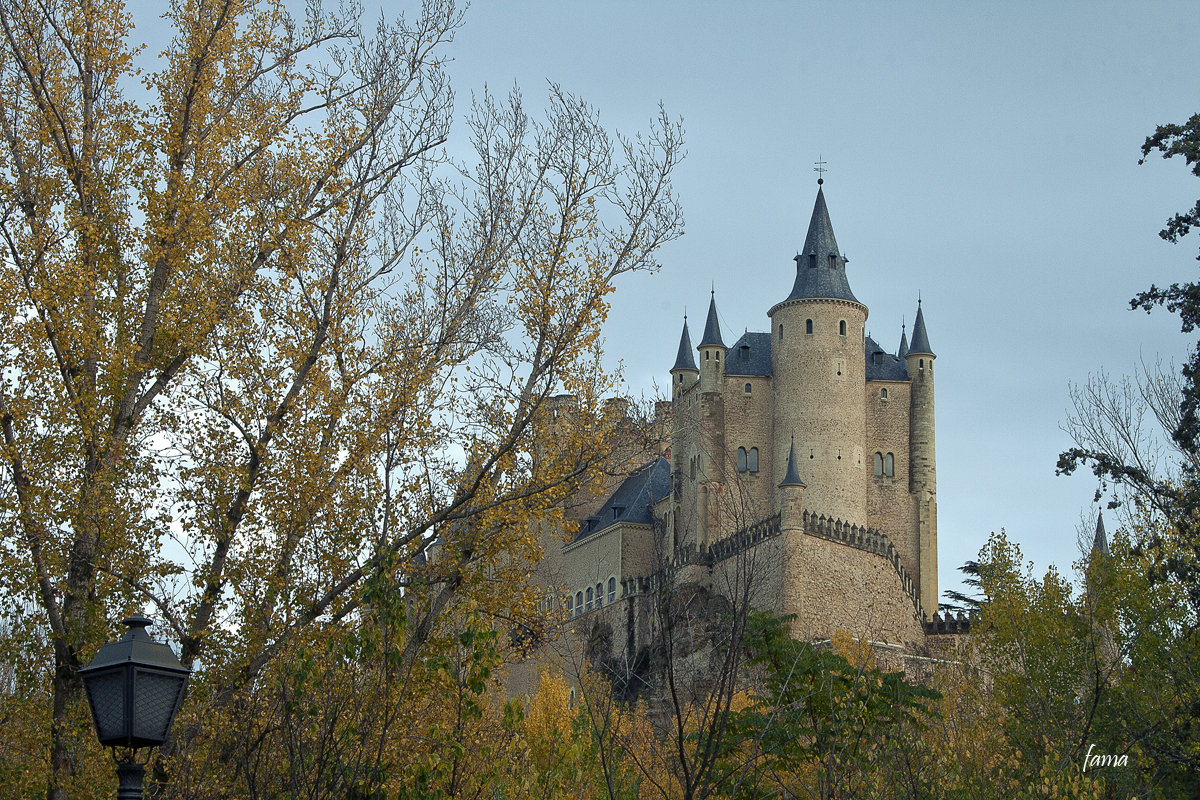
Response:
column 819, row 168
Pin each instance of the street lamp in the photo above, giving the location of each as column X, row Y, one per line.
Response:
column 134, row 687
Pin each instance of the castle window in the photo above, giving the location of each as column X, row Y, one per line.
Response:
column 612, row 591
column 833, row 260
column 877, row 357
column 889, row 465
column 741, row 459
column 781, row 331
column 618, row 511
column 752, row 461
column 749, row 389
column 707, row 355
column 808, row 326
column 842, row 328
column 599, row 595
column 812, row 260
column 588, row 605
column 883, row 394
column 879, row 463
column 744, row 352
column 718, row 352
column 692, row 461
column 922, row 363
column 578, row 603
column 570, row 607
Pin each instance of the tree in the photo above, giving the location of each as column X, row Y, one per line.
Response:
column 258, row 347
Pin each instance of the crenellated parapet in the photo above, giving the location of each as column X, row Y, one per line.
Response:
column 867, row 539
column 947, row 623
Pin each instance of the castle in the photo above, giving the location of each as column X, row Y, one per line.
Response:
column 807, row 450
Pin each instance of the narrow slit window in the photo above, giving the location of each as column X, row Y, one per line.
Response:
column 808, row 326
column 781, row 331
column 842, row 328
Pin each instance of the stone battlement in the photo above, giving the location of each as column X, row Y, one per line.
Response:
column 820, row 526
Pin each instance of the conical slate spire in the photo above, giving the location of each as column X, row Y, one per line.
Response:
column 821, row 267
column 792, row 478
column 712, row 328
column 685, row 360
column 920, row 340
column 1100, row 543
column 903, row 343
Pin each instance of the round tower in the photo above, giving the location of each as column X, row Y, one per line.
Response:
column 922, row 458
column 818, row 374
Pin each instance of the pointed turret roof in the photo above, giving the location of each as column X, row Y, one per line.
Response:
column 920, row 340
column 792, row 478
column 903, row 343
column 816, row 274
column 1100, row 543
column 685, row 360
column 712, row 328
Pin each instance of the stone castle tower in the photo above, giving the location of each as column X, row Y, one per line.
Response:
column 808, row 445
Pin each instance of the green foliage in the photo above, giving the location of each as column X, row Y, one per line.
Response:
column 814, row 709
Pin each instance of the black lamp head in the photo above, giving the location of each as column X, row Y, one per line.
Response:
column 134, row 687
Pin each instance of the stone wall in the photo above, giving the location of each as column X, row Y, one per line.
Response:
column 890, row 506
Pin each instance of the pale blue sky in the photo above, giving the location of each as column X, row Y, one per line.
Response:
column 983, row 154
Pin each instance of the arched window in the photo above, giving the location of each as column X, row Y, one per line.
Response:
column 718, row 352
column 781, row 331
column 599, row 595
column 578, row 603
column 883, row 394
column 922, row 363
column 879, row 463
column 889, row 465
column 707, row 355
column 693, row 464
column 612, row 590
column 749, row 388
column 842, row 328
column 752, row 461
column 588, row 605
column 741, row 464
column 570, row 607
column 808, row 326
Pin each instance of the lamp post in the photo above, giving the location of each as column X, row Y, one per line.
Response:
column 134, row 687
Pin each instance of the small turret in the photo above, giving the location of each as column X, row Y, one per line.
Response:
column 922, row 456
column 791, row 495
column 712, row 350
column 903, row 351
column 685, row 372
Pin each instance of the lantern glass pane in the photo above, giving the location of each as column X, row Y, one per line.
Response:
column 155, row 697
column 107, row 695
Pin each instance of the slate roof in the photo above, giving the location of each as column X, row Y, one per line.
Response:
column 685, row 360
column 814, row 276
column 757, row 360
column 903, row 344
column 1100, row 543
column 890, row 368
column 792, row 478
column 645, row 486
column 920, row 342
column 712, row 328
